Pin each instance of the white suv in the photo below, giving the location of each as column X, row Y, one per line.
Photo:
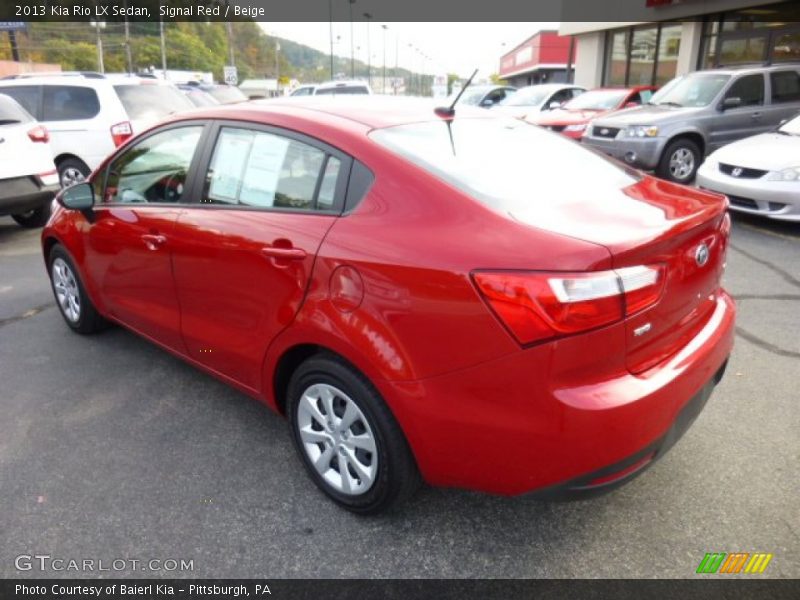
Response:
column 88, row 114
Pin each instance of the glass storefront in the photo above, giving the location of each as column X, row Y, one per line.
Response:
column 760, row 35
column 642, row 55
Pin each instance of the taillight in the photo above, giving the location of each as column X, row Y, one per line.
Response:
column 121, row 132
column 39, row 134
column 535, row 306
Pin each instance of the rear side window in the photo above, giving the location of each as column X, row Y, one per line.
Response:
column 69, row 103
column 785, row 86
column 750, row 89
column 11, row 112
column 345, row 89
column 27, row 96
column 151, row 101
column 264, row 170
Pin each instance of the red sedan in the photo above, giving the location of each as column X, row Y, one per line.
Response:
column 415, row 296
column 573, row 117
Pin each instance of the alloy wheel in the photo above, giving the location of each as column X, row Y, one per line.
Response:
column 681, row 163
column 66, row 287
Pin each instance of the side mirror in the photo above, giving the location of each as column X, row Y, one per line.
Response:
column 732, row 102
column 554, row 105
column 77, row 197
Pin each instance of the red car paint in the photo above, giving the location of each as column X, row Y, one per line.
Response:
column 561, row 118
column 389, row 286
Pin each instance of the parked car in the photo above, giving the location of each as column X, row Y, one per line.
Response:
column 760, row 174
column 695, row 114
column 304, row 90
column 286, row 248
column 484, row 96
column 221, row 92
column 28, row 178
column 197, row 96
column 88, row 114
column 535, row 99
column 573, row 116
column 353, row 87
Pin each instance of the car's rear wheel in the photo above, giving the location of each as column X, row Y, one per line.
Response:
column 72, row 171
column 680, row 161
column 348, row 440
column 73, row 303
column 33, row 218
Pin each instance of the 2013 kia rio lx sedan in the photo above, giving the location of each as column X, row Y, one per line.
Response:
column 419, row 298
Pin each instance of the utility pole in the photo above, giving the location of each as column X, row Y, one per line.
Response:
column 277, row 69
column 12, row 39
column 99, row 43
column 163, row 48
column 229, row 30
column 368, row 16
column 384, row 56
column 330, row 21
column 352, row 55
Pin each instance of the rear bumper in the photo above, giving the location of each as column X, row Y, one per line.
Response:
column 559, row 418
column 22, row 194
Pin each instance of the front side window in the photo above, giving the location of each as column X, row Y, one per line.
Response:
column 264, row 170
column 155, row 169
column 749, row 89
column 69, row 103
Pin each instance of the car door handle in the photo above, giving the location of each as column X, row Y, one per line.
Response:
column 284, row 253
column 153, row 241
column 756, row 115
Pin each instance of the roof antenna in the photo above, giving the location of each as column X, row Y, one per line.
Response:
column 449, row 111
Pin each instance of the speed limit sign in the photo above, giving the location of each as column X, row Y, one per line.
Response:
column 230, row 75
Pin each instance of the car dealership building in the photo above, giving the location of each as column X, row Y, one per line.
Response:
column 666, row 38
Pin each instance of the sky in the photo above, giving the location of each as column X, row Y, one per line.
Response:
column 452, row 47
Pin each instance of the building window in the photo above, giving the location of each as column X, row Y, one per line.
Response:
column 765, row 35
column 643, row 55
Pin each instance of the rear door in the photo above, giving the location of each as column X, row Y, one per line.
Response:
column 244, row 253
column 70, row 113
column 784, row 94
column 748, row 118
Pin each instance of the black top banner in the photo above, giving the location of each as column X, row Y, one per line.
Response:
column 18, row 11
column 391, row 589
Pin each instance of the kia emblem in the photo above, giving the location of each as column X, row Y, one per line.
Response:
column 701, row 255
column 737, row 171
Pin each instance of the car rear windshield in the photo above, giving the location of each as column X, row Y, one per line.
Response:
column 344, row 89
column 227, row 94
column 151, row 101
column 12, row 113
column 507, row 164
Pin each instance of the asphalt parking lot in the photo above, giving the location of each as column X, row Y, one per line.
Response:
column 111, row 448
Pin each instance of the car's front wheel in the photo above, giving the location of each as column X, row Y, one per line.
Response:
column 680, row 161
column 348, row 440
column 71, row 298
column 33, row 218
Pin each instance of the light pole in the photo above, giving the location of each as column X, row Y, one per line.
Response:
column 330, row 33
column 277, row 69
column 385, row 27
column 352, row 55
column 368, row 16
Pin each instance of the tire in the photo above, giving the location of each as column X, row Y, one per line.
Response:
column 73, row 303
column 390, row 464
column 72, row 171
column 34, row 218
column 680, row 161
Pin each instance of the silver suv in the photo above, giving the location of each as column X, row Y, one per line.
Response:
column 695, row 114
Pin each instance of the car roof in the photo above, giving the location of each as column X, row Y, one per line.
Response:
column 373, row 111
column 342, row 83
column 735, row 69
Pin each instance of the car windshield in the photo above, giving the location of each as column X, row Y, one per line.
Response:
column 597, row 100
column 470, row 97
column 791, row 127
column 226, row 94
column 12, row 113
column 490, row 159
column 151, row 101
column 695, row 89
column 532, row 96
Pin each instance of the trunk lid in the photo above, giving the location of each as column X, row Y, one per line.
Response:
column 654, row 222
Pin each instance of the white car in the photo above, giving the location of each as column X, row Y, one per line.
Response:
column 349, row 87
column 89, row 114
column 760, row 174
column 28, row 178
column 531, row 100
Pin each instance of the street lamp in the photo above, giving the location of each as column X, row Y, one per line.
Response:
column 352, row 55
column 385, row 27
column 368, row 16
column 330, row 33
